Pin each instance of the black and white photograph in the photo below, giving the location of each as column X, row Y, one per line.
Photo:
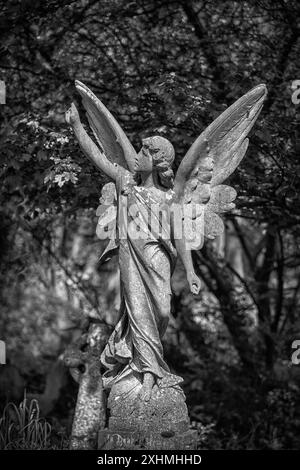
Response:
column 149, row 231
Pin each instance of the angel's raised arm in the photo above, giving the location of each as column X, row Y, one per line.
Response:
column 89, row 148
column 114, row 148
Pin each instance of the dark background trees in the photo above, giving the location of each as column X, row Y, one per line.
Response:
column 168, row 67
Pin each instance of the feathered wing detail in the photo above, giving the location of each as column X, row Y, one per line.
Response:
column 212, row 158
column 221, row 200
column 202, row 220
column 108, row 133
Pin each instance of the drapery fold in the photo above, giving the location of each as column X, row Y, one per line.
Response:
column 146, row 265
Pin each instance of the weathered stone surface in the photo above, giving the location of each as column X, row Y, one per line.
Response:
column 166, row 411
column 147, row 406
column 160, row 423
column 134, row 440
column 90, row 411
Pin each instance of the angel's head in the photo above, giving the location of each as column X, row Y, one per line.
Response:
column 157, row 154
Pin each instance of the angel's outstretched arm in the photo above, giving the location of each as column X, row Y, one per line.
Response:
column 88, row 147
column 186, row 258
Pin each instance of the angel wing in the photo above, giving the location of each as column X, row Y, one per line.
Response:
column 108, row 133
column 212, row 158
column 117, row 148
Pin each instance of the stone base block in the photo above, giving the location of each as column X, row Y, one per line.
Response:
column 134, row 440
column 162, row 422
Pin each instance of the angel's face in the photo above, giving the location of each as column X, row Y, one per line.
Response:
column 144, row 159
column 205, row 168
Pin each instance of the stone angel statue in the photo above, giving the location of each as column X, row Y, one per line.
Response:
column 143, row 188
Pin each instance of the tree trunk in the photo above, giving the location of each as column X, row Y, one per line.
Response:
column 220, row 282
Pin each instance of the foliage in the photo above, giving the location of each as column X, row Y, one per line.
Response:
column 167, row 67
column 22, row 428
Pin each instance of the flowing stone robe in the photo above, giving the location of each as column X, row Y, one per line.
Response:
column 146, row 258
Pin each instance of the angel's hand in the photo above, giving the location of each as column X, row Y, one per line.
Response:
column 194, row 283
column 72, row 116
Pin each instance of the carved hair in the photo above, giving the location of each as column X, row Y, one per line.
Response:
column 162, row 160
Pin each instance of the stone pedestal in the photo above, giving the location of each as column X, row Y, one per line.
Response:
column 109, row 440
column 160, row 423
